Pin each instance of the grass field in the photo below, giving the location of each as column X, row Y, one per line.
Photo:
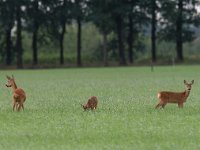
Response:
column 125, row 118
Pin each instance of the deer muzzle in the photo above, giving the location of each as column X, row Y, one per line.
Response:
column 8, row 85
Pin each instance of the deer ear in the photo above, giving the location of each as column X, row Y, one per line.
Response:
column 192, row 82
column 185, row 82
column 8, row 77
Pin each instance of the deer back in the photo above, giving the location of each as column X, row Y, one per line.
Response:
column 19, row 94
column 172, row 96
column 92, row 102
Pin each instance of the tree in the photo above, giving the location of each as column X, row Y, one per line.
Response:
column 62, row 16
column 34, row 20
column 78, row 14
column 130, row 37
column 179, row 30
column 177, row 18
column 101, row 17
column 18, row 46
column 148, row 16
column 118, row 11
column 7, row 23
column 59, row 15
column 153, row 30
column 136, row 19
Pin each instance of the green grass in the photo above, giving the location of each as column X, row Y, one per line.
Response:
column 125, row 117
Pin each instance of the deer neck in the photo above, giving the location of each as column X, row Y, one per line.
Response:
column 186, row 93
column 14, row 86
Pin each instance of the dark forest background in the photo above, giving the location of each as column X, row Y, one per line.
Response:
column 36, row 33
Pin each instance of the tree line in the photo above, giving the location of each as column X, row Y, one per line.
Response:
column 169, row 20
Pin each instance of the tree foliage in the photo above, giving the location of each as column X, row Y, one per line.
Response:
column 122, row 21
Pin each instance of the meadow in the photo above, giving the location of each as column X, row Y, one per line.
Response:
column 125, row 117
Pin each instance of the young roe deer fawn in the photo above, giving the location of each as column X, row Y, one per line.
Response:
column 91, row 103
column 174, row 97
column 19, row 95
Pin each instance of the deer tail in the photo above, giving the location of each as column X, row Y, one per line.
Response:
column 158, row 95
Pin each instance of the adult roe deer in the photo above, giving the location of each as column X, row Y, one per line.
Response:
column 174, row 97
column 19, row 95
column 91, row 103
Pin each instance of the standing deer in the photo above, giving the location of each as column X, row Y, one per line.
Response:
column 19, row 95
column 174, row 97
column 91, row 103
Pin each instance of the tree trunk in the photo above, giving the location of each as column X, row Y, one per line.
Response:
column 153, row 31
column 35, row 35
column 8, row 46
column 62, row 35
column 130, row 39
column 19, row 38
column 179, row 40
column 105, row 51
column 122, row 60
column 34, row 43
column 79, row 63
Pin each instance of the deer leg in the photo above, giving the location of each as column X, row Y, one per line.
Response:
column 158, row 105
column 14, row 105
column 20, row 106
column 163, row 105
column 180, row 105
column 23, row 107
column 93, row 107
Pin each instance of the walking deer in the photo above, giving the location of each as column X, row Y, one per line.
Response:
column 174, row 97
column 91, row 103
column 19, row 95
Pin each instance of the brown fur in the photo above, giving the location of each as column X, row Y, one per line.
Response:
column 91, row 103
column 19, row 95
column 174, row 97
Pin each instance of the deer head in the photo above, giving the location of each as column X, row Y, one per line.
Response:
column 11, row 81
column 85, row 107
column 188, row 86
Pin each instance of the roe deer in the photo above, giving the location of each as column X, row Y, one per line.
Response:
column 91, row 103
column 19, row 95
column 174, row 97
